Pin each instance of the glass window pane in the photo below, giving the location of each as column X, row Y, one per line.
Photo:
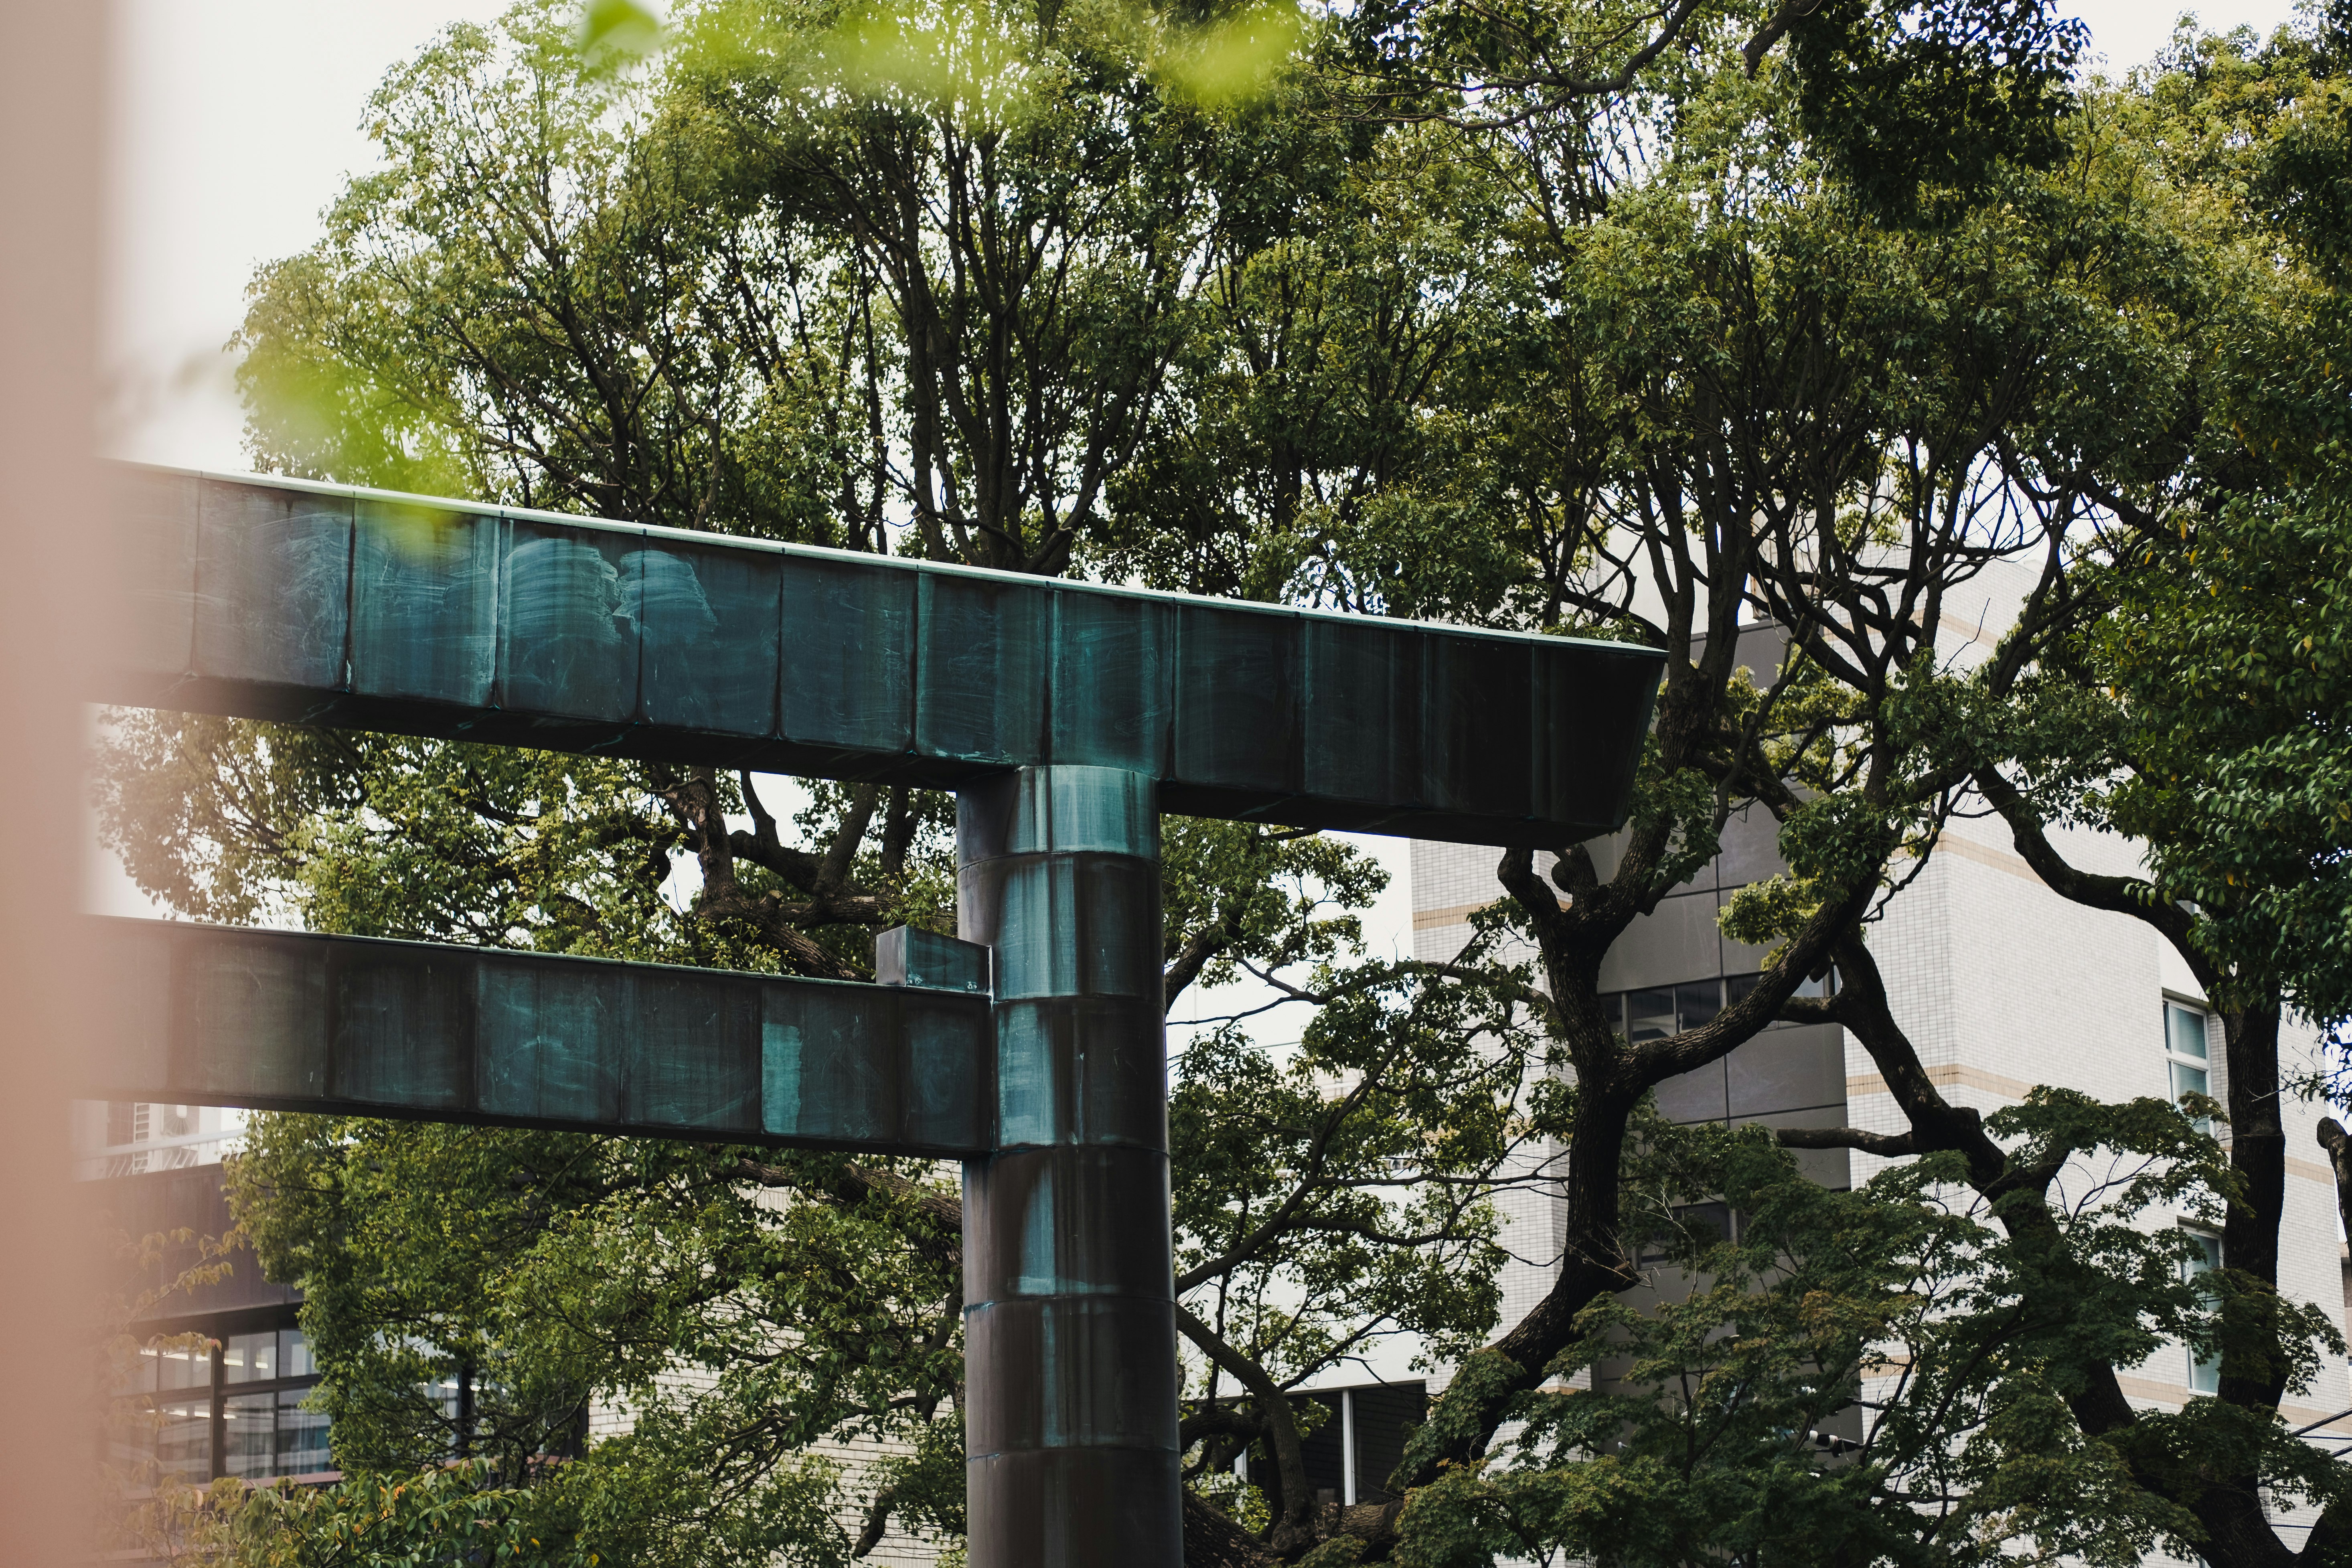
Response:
column 178, row 1366
column 1695, row 1224
column 249, row 1358
column 2184, row 1031
column 2186, row 1080
column 1650, row 1014
column 183, row 1440
column 1699, row 1002
column 131, row 1441
column 294, row 1355
column 246, row 1435
column 2204, row 1372
column 1737, row 988
column 138, row 1374
column 301, row 1435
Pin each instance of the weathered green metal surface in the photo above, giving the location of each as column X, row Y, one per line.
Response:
column 273, row 598
column 909, row 955
column 1071, row 1453
column 290, row 1021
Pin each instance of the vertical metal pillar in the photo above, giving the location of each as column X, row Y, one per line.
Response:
column 1069, row 1316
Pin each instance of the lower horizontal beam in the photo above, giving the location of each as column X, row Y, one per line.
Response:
column 201, row 1014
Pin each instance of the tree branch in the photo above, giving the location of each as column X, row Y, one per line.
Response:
column 1889, row 1144
column 2130, row 896
column 2338, row 1144
column 1294, row 1531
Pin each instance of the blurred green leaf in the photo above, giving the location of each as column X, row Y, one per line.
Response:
column 1234, row 60
column 614, row 33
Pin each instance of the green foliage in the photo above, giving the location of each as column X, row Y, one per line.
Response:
column 1234, row 895
column 1102, row 288
column 1314, row 444
column 1336, row 1192
column 1921, row 103
column 614, row 31
column 2198, row 706
column 2232, row 651
column 472, row 1290
column 1795, row 1390
column 526, row 303
column 446, row 1516
column 381, row 836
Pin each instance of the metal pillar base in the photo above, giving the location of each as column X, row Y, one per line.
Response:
column 1069, row 1314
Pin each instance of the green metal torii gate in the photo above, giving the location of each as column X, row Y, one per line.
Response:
column 1065, row 717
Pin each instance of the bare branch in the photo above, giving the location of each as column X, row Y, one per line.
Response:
column 1889, row 1144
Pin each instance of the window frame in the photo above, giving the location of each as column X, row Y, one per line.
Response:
column 2177, row 1062
column 213, row 1393
column 2203, row 1376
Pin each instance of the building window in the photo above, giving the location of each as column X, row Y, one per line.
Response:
column 232, row 1406
column 2184, row 1054
column 1654, row 1014
column 1351, row 1453
column 1662, row 1010
column 144, row 1137
column 2204, row 1375
column 183, row 1440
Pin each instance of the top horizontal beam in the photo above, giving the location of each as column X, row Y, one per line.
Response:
column 281, row 599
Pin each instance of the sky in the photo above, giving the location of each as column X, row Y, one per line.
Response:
column 236, row 121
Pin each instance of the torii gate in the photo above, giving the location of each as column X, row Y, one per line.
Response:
column 1066, row 716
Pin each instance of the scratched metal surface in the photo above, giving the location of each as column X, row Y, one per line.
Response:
column 1070, row 1420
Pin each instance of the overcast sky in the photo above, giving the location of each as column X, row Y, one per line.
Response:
column 237, row 120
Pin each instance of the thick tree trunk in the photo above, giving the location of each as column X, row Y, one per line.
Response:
column 2250, row 1237
column 1213, row 1540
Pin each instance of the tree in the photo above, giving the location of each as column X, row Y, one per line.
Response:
column 1727, row 1418
column 1653, row 363
column 2191, row 695
column 1780, row 404
column 1011, row 187
column 2109, row 726
column 477, row 307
